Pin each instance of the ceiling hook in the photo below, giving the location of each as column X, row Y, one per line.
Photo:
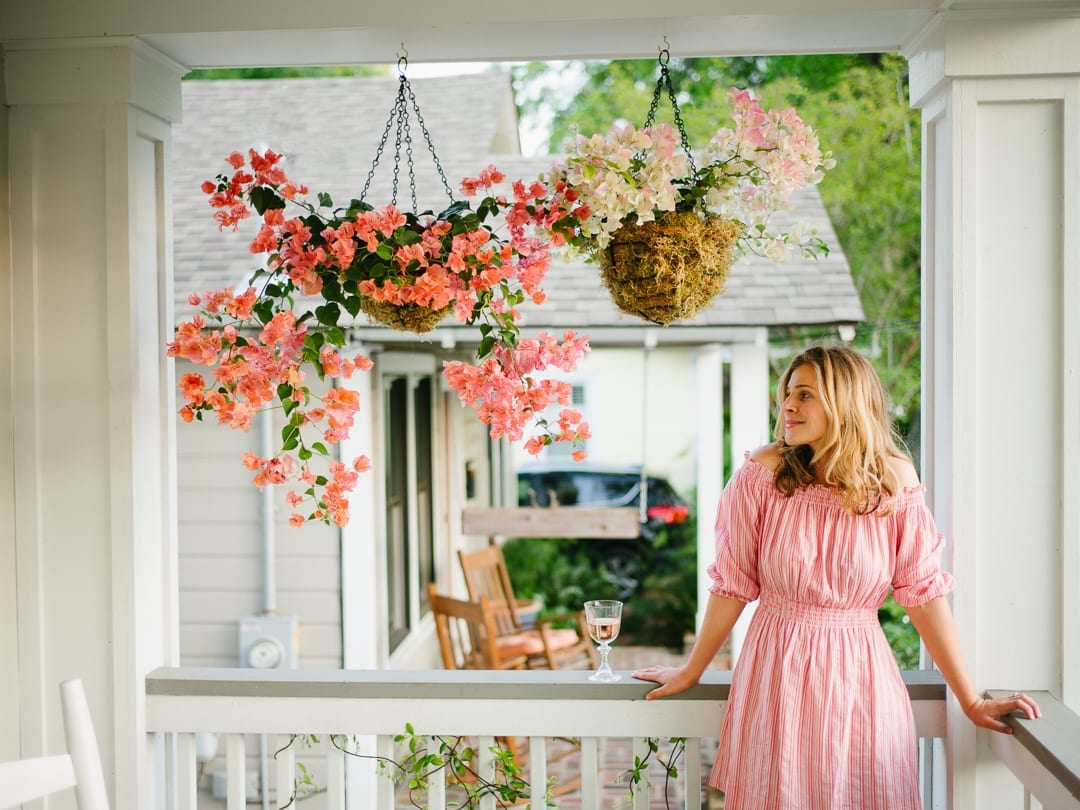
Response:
column 665, row 53
column 403, row 59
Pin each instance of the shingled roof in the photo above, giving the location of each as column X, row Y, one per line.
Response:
column 330, row 129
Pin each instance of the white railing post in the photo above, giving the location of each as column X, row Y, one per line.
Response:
column 236, row 768
column 485, row 761
column 187, row 788
column 538, row 770
column 590, row 774
column 641, row 790
column 284, row 768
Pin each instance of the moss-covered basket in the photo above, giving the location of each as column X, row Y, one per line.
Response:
column 667, row 270
column 404, row 318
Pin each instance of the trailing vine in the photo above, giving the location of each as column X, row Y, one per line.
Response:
column 426, row 755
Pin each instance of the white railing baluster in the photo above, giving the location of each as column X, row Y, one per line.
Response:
column 187, row 787
column 641, row 791
column 690, row 768
column 590, row 774
column 538, row 770
column 437, row 781
column 485, row 761
column 384, row 787
column 335, row 772
column 284, row 759
column 235, row 773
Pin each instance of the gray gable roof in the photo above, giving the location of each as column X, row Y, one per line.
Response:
column 330, row 128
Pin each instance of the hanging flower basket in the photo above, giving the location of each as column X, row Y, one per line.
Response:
column 667, row 270
column 665, row 232
column 325, row 264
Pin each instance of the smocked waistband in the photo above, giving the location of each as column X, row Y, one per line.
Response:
column 806, row 613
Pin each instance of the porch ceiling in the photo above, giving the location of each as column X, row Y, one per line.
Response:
column 204, row 32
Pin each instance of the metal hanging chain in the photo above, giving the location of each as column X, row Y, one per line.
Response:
column 662, row 83
column 399, row 121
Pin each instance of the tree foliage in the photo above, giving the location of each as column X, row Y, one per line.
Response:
column 858, row 104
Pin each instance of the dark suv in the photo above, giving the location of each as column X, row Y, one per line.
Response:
column 597, row 487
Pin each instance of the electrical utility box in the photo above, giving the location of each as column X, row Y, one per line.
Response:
column 270, row 642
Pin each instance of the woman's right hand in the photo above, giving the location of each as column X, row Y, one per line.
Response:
column 672, row 680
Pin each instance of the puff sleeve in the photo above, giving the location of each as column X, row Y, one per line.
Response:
column 734, row 571
column 918, row 578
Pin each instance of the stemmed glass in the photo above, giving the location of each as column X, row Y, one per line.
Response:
column 603, row 618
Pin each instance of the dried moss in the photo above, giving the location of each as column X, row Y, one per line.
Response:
column 404, row 318
column 667, row 270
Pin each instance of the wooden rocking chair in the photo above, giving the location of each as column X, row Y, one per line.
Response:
column 544, row 647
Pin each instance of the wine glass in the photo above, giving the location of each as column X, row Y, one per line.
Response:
column 603, row 618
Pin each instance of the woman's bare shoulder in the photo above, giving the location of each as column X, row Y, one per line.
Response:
column 768, row 455
column 905, row 471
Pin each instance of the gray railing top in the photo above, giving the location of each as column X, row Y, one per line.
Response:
column 440, row 684
column 1053, row 740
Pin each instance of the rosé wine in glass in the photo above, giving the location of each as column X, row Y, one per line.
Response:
column 603, row 617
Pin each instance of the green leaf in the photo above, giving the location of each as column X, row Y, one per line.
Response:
column 352, row 305
column 303, row 454
column 328, row 314
column 406, row 236
column 320, row 448
column 264, row 199
column 325, row 201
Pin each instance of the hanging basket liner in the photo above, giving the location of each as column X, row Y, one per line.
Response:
column 667, row 270
column 404, row 317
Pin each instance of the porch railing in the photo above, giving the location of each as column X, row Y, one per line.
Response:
column 1044, row 754
column 378, row 704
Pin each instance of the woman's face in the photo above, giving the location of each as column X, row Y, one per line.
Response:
column 805, row 419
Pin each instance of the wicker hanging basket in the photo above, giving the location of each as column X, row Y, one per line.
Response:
column 667, row 270
column 403, row 317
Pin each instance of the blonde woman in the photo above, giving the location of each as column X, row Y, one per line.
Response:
column 820, row 526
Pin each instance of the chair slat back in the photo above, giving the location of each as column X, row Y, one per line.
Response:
column 25, row 780
column 486, row 575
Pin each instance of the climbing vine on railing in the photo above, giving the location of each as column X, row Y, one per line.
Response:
column 636, row 775
column 425, row 755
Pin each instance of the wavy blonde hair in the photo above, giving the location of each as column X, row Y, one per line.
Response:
column 859, row 440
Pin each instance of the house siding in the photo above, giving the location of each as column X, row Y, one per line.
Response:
column 221, row 568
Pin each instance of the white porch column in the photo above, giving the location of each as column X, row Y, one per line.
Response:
column 1001, row 253
column 92, row 484
column 749, row 429
column 709, row 446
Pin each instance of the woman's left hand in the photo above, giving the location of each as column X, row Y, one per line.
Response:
column 986, row 711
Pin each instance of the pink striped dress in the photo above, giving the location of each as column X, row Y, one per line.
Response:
column 818, row 717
